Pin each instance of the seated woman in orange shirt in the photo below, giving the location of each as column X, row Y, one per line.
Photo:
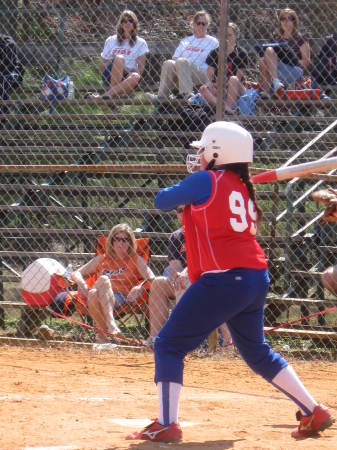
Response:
column 117, row 274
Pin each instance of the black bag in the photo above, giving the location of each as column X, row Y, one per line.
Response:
column 11, row 68
column 196, row 118
column 325, row 70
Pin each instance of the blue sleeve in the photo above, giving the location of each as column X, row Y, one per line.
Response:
column 194, row 189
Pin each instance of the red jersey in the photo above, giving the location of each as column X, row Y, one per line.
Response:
column 220, row 234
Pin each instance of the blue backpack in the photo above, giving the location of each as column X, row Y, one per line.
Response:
column 246, row 103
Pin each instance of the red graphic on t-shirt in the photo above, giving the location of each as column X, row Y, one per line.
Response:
column 194, row 49
column 121, row 51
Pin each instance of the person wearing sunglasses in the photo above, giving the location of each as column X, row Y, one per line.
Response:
column 285, row 60
column 118, row 273
column 188, row 67
column 123, row 58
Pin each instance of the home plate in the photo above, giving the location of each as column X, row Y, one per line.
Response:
column 144, row 422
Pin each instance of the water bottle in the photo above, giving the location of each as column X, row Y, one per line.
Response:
column 68, row 273
column 71, row 90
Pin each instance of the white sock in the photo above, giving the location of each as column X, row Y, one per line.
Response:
column 288, row 382
column 168, row 395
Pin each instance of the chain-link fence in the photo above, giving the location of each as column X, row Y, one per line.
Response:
column 100, row 101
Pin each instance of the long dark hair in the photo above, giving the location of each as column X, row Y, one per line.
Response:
column 130, row 15
column 242, row 170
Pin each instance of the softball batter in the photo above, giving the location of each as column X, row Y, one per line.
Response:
column 229, row 276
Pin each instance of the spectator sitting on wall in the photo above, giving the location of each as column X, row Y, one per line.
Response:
column 123, row 58
column 11, row 69
column 237, row 62
column 325, row 71
column 188, row 67
column 285, row 60
column 166, row 290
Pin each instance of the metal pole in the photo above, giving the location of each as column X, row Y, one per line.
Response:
column 60, row 41
column 222, row 59
column 94, row 168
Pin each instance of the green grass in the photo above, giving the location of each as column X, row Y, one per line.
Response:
column 83, row 71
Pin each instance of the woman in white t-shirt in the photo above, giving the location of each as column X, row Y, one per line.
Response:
column 123, row 57
column 188, row 67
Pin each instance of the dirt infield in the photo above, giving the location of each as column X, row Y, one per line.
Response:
column 66, row 399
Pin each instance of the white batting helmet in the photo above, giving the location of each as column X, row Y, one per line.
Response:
column 225, row 142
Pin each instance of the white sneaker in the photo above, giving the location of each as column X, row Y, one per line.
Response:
column 264, row 95
column 153, row 98
column 106, row 347
column 113, row 328
column 276, row 85
column 45, row 333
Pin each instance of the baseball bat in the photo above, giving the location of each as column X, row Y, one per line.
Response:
column 298, row 170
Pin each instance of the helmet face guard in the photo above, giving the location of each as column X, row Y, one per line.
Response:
column 193, row 161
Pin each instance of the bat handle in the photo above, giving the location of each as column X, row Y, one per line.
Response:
column 265, row 177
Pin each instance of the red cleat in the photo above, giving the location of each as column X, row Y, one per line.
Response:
column 158, row 433
column 319, row 420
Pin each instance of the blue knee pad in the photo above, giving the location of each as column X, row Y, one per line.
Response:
column 265, row 361
column 169, row 361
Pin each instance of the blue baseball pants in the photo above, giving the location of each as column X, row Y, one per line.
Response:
column 236, row 297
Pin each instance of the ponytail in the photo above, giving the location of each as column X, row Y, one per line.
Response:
column 211, row 164
column 242, row 170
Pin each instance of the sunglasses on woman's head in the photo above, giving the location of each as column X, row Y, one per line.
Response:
column 201, row 23
column 126, row 20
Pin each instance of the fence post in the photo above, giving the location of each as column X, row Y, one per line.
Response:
column 60, row 40
column 222, row 59
column 288, row 232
